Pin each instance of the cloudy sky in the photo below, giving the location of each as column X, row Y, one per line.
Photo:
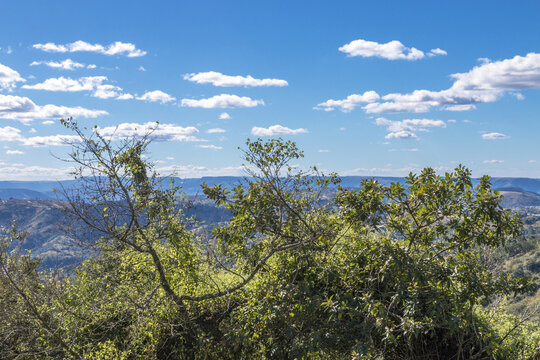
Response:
column 364, row 87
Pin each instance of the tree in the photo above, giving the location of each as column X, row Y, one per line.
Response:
column 299, row 271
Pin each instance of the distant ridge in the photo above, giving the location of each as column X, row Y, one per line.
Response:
column 527, row 184
column 23, row 194
column 192, row 186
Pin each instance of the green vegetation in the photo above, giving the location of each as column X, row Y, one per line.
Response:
column 398, row 272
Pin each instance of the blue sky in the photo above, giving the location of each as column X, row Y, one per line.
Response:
column 364, row 87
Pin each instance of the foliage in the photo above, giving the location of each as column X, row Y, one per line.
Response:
column 382, row 272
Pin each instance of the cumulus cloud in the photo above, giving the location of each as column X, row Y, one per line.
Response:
column 402, row 134
column 116, row 48
column 25, row 110
column 219, row 79
column 224, row 116
column 9, row 133
column 484, row 83
column 393, row 50
column 348, row 104
column 385, row 171
column 107, row 91
column 151, row 130
column 460, row 107
column 156, row 96
column 276, row 130
column 213, row 147
column 12, row 134
column 67, row 64
column 494, row 136
column 407, row 129
column 34, row 172
column 196, row 171
column 14, row 152
column 222, row 101
column 48, row 122
column 493, row 161
column 9, row 77
column 216, row 131
column 93, row 84
column 437, row 51
column 68, row 85
column 52, row 140
column 125, row 97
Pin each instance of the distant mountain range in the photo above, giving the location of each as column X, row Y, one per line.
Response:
column 40, row 190
column 38, row 210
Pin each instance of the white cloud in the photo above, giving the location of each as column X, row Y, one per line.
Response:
column 91, row 66
column 14, row 152
column 484, row 83
column 222, row 101
column 154, row 131
column 68, row 85
column 52, row 140
column 125, row 97
column 493, row 161
column 390, row 171
column 393, row 50
column 219, row 79
column 517, row 73
column 384, row 171
column 224, row 116
column 323, row 151
column 216, row 131
column 141, row 68
column 9, row 77
column 348, row 104
column 67, row 64
column 24, row 110
column 406, row 129
column 402, row 134
column 494, row 136
column 12, row 134
column 276, row 130
column 532, row 161
column 116, row 48
column 213, row 147
column 437, row 51
column 9, row 133
column 156, row 96
column 33, row 172
column 460, row 107
column 195, row 171
column 108, row 91
column 48, row 122
column 93, row 84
